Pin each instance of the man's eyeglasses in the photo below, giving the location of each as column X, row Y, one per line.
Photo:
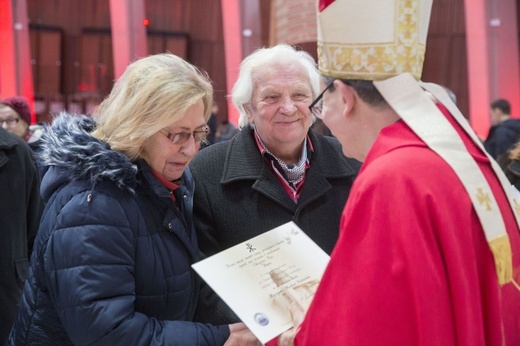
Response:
column 316, row 106
column 10, row 122
column 182, row 137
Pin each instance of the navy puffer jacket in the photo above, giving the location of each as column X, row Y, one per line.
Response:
column 111, row 261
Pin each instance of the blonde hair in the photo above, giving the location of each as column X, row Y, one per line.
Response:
column 152, row 93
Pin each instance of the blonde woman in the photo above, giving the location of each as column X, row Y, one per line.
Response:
column 112, row 257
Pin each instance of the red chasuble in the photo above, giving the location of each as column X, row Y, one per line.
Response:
column 412, row 265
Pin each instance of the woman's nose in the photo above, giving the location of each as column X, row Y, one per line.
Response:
column 191, row 147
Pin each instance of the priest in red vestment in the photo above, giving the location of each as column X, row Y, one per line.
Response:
column 429, row 247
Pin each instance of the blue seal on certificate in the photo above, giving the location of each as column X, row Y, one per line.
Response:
column 261, row 319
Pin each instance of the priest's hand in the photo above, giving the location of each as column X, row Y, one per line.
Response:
column 287, row 338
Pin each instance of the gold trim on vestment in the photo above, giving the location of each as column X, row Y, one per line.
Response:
column 425, row 119
column 378, row 61
column 501, row 249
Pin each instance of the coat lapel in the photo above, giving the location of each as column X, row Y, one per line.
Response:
column 239, row 166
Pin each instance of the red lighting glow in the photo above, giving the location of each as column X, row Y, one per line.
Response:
column 146, row 22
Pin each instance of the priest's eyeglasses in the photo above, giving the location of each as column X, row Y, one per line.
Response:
column 183, row 137
column 316, row 106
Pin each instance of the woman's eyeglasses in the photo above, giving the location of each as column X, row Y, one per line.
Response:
column 9, row 122
column 182, row 137
column 316, row 106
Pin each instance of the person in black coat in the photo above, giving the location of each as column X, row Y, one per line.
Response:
column 20, row 210
column 276, row 169
column 15, row 116
column 112, row 259
column 505, row 131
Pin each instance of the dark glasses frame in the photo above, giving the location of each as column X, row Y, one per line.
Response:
column 316, row 107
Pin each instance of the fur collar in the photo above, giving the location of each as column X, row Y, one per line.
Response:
column 68, row 146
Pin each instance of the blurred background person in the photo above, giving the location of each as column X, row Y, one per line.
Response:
column 510, row 164
column 212, row 124
column 20, row 210
column 225, row 131
column 504, row 132
column 219, row 131
column 15, row 116
column 113, row 254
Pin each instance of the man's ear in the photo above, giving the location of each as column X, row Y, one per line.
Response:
column 348, row 96
column 248, row 112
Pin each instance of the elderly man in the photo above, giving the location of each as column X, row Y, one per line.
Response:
column 276, row 169
column 424, row 254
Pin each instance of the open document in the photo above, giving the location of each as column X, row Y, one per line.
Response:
column 260, row 278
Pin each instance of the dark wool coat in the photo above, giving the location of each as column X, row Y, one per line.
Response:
column 111, row 263
column 502, row 137
column 239, row 197
column 20, row 211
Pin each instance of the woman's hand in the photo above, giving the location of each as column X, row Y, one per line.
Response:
column 241, row 335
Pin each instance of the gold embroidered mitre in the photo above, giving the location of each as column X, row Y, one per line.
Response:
column 372, row 39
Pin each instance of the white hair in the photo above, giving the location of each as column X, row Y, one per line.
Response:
column 262, row 58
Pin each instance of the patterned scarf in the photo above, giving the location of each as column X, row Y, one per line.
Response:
column 293, row 173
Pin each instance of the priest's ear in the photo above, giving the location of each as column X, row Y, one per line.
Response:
column 348, row 96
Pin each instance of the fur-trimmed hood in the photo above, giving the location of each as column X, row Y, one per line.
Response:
column 72, row 153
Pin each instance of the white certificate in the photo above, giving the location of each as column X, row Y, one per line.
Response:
column 261, row 277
